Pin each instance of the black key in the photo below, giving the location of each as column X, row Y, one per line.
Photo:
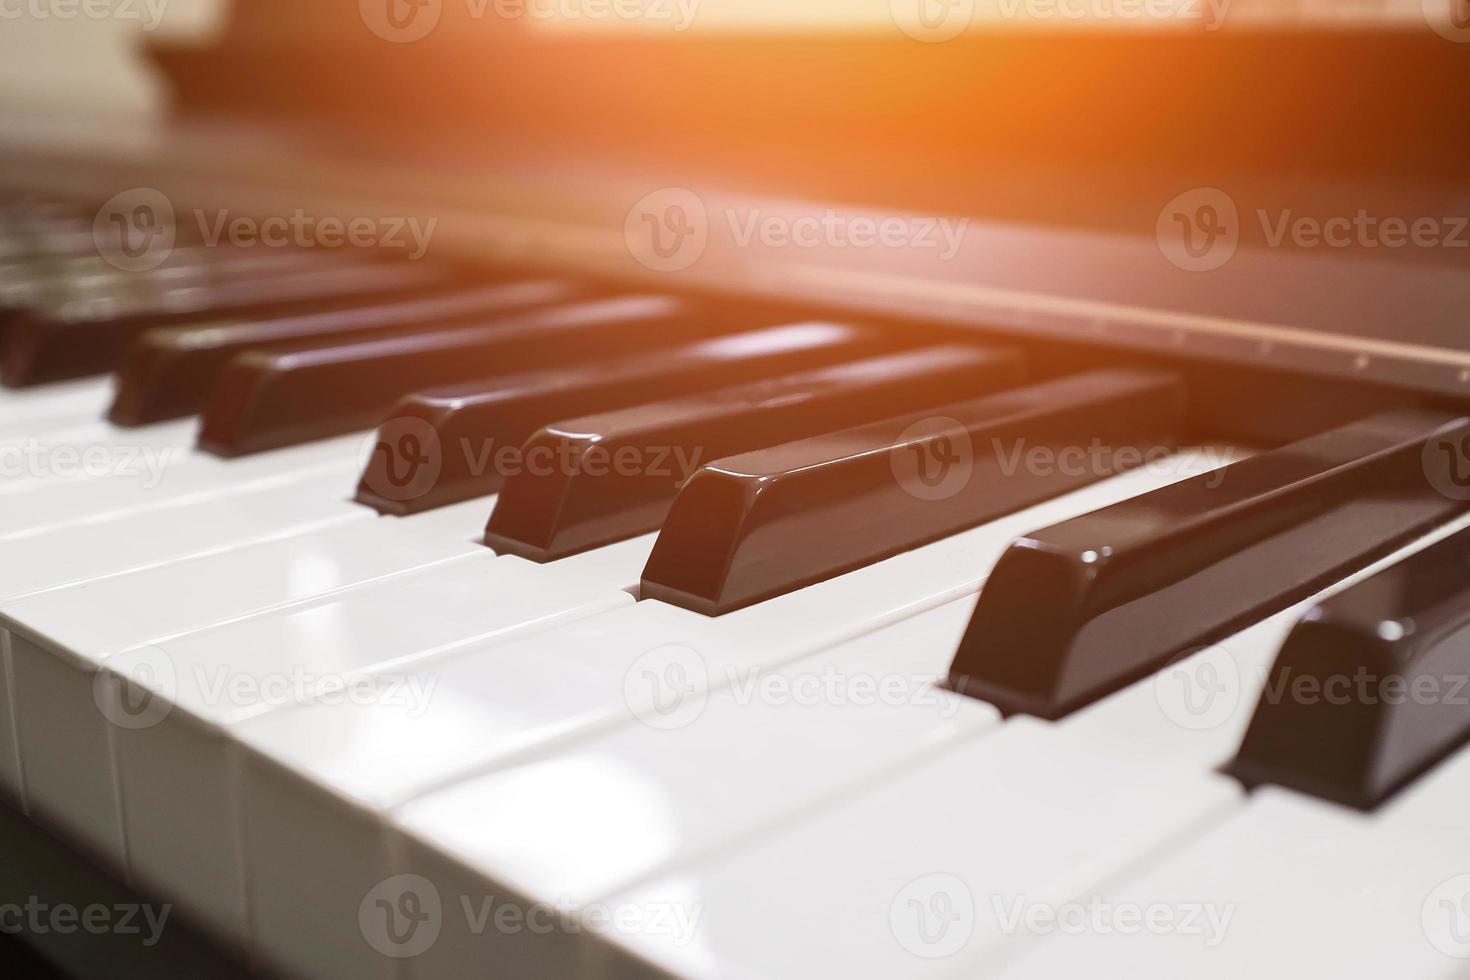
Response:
column 750, row 527
column 592, row 498
column 1085, row 607
column 168, row 373
column 473, row 424
column 74, row 340
column 266, row 400
column 1370, row 689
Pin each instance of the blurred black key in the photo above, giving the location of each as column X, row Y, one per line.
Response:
column 168, row 373
column 750, row 527
column 473, row 424
column 1370, row 689
column 594, row 497
column 266, row 400
column 1080, row 609
column 89, row 336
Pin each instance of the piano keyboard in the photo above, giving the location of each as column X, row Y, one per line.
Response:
column 503, row 623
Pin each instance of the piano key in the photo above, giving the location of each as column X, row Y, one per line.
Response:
column 1179, row 568
column 1369, row 689
column 662, row 793
column 376, row 634
column 47, row 344
column 541, row 694
column 1277, row 887
column 12, row 790
column 66, row 650
column 160, row 482
column 920, row 875
column 587, row 502
column 470, row 423
column 269, row 400
column 168, row 373
column 88, row 399
column 271, row 506
column 752, row 526
column 54, row 457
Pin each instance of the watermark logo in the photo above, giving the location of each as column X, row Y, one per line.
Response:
column 401, row 916
column 667, row 230
column 933, row 459
column 1447, row 464
column 667, row 688
column 1445, row 916
column 1200, row 689
column 933, row 916
column 36, row 917
column 932, row 21
column 1204, row 921
column 403, row 459
column 401, row 21
column 149, row 13
column 137, row 692
column 134, row 230
column 1199, row 230
column 1450, row 19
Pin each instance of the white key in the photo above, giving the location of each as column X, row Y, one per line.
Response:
column 919, row 876
column 177, row 770
column 150, row 485
column 93, row 451
column 1292, row 886
column 573, row 827
column 80, row 552
column 125, row 611
column 569, row 683
column 87, row 398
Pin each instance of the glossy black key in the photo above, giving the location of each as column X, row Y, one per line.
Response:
column 76, row 339
column 753, row 526
column 1372, row 687
column 266, row 400
column 475, row 425
column 1080, row 609
column 617, row 473
column 168, row 373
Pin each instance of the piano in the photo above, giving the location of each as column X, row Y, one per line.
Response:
column 658, row 490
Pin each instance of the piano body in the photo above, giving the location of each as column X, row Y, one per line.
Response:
column 885, row 496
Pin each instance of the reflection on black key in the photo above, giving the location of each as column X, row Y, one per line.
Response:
column 749, row 527
column 266, row 400
column 617, row 473
column 473, row 425
column 1080, row 609
column 89, row 336
column 1370, row 689
column 168, row 373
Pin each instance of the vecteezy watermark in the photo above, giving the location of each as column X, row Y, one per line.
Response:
column 933, row 916
column 301, row 229
column 1450, row 19
column 1201, row 230
column 136, row 230
column 404, row 916
column 406, row 21
column 148, row 465
column 1447, row 464
column 831, row 686
column 1209, row 14
column 405, row 458
column 148, row 14
column 670, row 229
column 1445, row 917
column 668, row 687
column 138, row 688
column 1205, row 921
column 1201, row 689
column 932, row 21
column 36, row 917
